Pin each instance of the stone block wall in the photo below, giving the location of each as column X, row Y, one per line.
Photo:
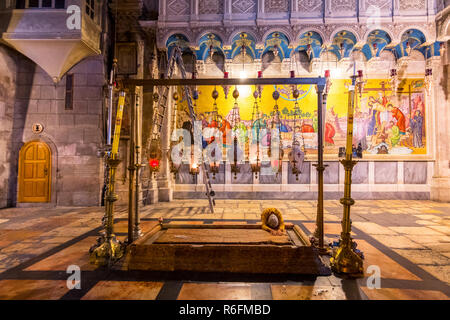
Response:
column 74, row 136
column 370, row 180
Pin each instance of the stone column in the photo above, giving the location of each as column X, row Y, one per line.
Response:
column 440, row 183
column 164, row 178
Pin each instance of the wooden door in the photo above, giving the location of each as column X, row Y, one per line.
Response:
column 34, row 172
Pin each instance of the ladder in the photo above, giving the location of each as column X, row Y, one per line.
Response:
column 160, row 112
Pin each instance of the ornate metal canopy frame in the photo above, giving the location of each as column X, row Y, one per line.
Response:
column 319, row 82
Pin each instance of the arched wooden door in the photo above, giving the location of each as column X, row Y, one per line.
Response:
column 35, row 172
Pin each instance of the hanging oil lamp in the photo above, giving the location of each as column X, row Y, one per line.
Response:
column 214, row 166
column 234, row 122
column 276, row 122
column 256, row 165
column 394, row 81
column 174, row 167
column 260, row 88
column 194, row 168
column 428, row 80
column 328, row 82
column 360, row 83
column 296, row 156
column 226, row 88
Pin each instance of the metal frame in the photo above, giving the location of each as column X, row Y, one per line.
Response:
column 320, row 83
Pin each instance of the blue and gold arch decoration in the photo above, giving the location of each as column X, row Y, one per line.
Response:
column 315, row 42
column 377, row 41
column 240, row 41
column 433, row 50
column 179, row 40
column 207, row 43
column 413, row 38
column 343, row 44
column 277, row 42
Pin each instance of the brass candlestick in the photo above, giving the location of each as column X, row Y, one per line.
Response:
column 345, row 260
column 107, row 250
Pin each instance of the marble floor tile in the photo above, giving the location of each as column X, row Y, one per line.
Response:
column 124, row 290
column 399, row 242
column 428, row 257
column 389, row 268
column 233, row 216
column 17, row 235
column 373, row 228
column 428, row 239
column 299, row 292
column 440, row 272
column 215, row 291
column 32, row 289
column 443, row 229
column 77, row 254
column 403, row 294
column 416, row 231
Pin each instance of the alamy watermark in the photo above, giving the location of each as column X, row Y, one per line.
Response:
column 73, row 22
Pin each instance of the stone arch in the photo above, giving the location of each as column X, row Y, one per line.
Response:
column 222, row 36
column 235, row 33
column 306, row 29
column 417, row 27
column 174, row 32
column 366, row 35
column 279, row 30
column 344, row 28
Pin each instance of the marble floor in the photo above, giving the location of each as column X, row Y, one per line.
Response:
column 408, row 240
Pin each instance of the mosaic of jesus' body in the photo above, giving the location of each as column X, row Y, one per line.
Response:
column 384, row 123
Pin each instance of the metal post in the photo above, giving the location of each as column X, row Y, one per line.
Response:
column 131, row 169
column 137, row 230
column 345, row 259
column 320, row 169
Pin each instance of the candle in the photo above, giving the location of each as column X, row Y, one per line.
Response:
column 292, row 74
column 259, row 74
column 225, row 75
column 327, row 73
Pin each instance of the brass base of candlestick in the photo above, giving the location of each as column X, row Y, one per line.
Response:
column 137, row 233
column 106, row 252
column 346, row 261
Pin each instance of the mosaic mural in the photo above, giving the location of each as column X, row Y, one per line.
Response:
column 386, row 124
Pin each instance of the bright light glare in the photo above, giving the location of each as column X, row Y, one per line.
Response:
column 244, row 91
column 243, row 74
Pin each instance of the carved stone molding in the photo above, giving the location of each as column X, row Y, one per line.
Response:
column 178, row 7
column 210, row 6
column 309, row 5
column 274, row 6
column 243, row 6
column 413, row 5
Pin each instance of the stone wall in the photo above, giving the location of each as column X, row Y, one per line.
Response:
column 74, row 136
column 8, row 72
column 370, row 180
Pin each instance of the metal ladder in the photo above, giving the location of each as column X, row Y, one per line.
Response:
column 175, row 57
column 160, row 111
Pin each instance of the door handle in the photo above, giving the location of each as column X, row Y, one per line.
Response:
column 45, row 171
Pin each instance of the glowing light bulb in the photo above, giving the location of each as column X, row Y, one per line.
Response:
column 243, row 74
